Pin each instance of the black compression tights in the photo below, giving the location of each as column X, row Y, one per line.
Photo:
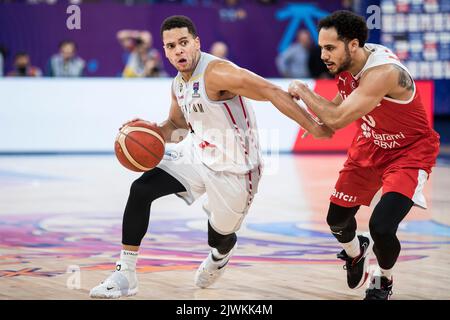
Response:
column 152, row 185
column 383, row 225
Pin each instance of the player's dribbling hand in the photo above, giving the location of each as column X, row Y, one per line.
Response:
column 137, row 119
column 130, row 121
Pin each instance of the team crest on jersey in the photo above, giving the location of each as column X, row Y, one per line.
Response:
column 353, row 84
column 172, row 155
column 196, row 87
column 180, row 87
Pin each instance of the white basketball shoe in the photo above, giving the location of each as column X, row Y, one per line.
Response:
column 211, row 269
column 122, row 282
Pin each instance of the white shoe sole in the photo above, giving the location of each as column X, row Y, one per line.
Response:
column 204, row 285
column 114, row 294
column 219, row 273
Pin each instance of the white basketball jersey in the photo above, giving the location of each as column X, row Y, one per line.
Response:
column 224, row 133
column 380, row 55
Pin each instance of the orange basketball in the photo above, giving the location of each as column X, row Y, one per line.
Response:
column 139, row 146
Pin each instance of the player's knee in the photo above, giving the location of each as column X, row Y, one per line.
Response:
column 380, row 228
column 333, row 219
column 338, row 216
column 142, row 191
column 388, row 212
column 137, row 189
column 223, row 243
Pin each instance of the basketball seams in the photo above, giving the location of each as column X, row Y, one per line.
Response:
column 121, row 141
column 127, row 130
column 125, row 133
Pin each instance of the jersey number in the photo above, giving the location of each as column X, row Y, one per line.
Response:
column 370, row 120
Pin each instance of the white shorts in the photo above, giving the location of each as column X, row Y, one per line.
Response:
column 229, row 195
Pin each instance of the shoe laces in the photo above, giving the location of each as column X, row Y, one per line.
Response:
column 118, row 271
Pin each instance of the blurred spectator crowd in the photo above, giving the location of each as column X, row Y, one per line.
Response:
column 64, row 63
column 133, row 2
column 302, row 59
column 141, row 60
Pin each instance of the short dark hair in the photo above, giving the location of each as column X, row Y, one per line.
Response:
column 65, row 42
column 21, row 54
column 179, row 22
column 348, row 26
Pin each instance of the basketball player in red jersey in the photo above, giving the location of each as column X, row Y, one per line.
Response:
column 393, row 149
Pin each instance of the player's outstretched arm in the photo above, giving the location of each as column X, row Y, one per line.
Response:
column 223, row 76
column 175, row 128
column 375, row 83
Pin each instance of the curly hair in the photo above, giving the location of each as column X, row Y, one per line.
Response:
column 348, row 26
column 179, row 22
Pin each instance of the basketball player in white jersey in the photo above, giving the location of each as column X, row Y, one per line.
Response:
column 219, row 154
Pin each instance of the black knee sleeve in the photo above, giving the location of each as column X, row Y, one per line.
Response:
column 383, row 225
column 223, row 243
column 342, row 222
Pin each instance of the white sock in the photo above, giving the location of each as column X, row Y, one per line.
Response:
column 352, row 248
column 129, row 258
column 387, row 273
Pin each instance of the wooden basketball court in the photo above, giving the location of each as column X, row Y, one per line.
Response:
column 60, row 233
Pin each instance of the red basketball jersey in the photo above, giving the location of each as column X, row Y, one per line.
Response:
column 395, row 128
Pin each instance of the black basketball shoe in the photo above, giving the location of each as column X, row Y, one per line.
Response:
column 380, row 289
column 357, row 267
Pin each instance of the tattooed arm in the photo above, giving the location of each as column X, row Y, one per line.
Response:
column 376, row 83
column 405, row 85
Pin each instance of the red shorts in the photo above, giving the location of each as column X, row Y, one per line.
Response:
column 358, row 185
